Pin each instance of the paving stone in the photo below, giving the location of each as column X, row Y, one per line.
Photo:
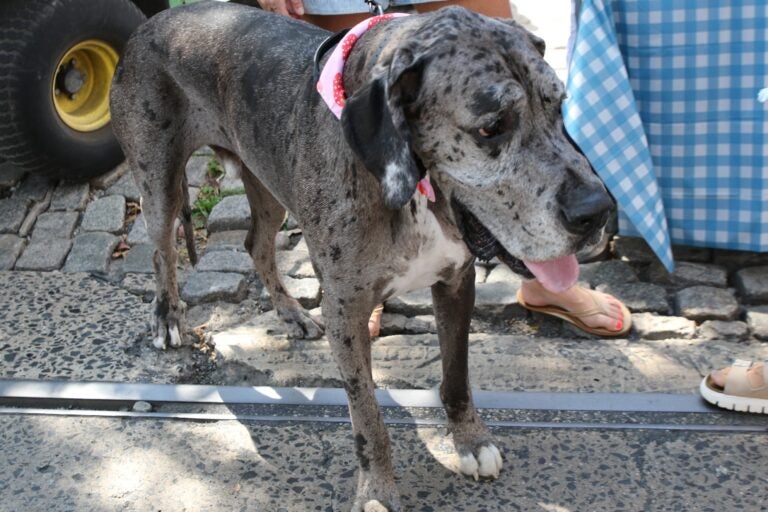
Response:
column 91, row 252
column 194, row 193
column 138, row 233
column 301, row 245
column 126, row 187
column 633, row 249
column 481, row 273
column 283, row 241
column 421, row 324
column 392, row 323
column 13, row 211
column 139, row 259
column 227, row 241
column 752, row 284
column 612, row 272
column 44, row 255
column 701, row 303
column 10, row 248
column 139, row 284
column 639, row 297
column 290, row 223
column 413, row 303
column 70, row 197
column 757, row 320
column 34, row 212
column 105, row 214
column 736, row 260
column 496, row 300
column 306, row 291
column 655, row 327
column 108, row 178
column 55, row 225
column 688, row 274
column 231, row 184
column 720, row 330
column 10, row 175
column 33, row 187
column 231, row 213
column 197, row 170
column 212, row 286
column 693, row 254
column 503, row 274
column 225, row 261
column 295, row 263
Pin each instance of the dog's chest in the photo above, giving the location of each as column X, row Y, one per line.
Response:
column 429, row 256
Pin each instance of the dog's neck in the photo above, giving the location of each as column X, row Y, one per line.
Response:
column 331, row 84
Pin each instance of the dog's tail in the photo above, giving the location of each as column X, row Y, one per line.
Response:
column 186, row 222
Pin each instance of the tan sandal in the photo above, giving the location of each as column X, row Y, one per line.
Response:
column 374, row 322
column 576, row 317
column 738, row 394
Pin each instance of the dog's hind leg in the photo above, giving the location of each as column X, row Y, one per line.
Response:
column 161, row 203
column 267, row 216
column 453, row 303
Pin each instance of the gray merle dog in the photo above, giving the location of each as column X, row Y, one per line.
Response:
column 465, row 99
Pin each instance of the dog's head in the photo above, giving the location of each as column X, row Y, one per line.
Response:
column 471, row 100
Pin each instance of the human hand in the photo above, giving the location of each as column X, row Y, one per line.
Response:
column 292, row 8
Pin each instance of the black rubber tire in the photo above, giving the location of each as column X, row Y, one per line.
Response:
column 34, row 36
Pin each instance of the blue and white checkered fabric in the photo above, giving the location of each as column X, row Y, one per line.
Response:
column 601, row 117
column 695, row 68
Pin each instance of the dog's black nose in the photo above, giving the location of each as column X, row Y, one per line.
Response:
column 584, row 208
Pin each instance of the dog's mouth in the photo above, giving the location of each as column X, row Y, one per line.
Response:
column 482, row 244
column 555, row 275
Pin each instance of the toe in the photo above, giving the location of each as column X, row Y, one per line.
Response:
column 468, row 466
column 489, row 459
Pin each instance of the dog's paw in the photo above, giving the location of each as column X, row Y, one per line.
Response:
column 369, row 505
column 375, row 506
column 483, row 462
column 167, row 328
column 300, row 325
column 376, row 494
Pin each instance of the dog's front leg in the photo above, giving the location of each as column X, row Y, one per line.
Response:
column 347, row 330
column 453, row 304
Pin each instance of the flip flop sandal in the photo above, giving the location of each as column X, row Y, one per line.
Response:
column 738, row 394
column 575, row 318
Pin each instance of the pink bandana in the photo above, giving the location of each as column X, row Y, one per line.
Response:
column 331, row 85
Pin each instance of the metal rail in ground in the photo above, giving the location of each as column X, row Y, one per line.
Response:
column 63, row 398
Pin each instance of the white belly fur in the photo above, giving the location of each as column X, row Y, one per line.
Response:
column 435, row 254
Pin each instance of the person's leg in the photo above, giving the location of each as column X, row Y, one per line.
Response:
column 498, row 8
column 578, row 299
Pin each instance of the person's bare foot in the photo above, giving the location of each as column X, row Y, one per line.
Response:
column 574, row 300
column 754, row 375
column 374, row 322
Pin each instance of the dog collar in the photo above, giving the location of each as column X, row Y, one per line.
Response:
column 331, row 82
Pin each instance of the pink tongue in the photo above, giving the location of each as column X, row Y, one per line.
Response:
column 555, row 275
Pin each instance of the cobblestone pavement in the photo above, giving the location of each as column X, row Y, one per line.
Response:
column 714, row 307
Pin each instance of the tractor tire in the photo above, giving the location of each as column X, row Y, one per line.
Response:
column 57, row 59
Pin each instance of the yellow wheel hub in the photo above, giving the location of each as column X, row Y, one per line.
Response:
column 81, row 85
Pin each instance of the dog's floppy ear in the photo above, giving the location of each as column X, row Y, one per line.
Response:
column 538, row 43
column 376, row 129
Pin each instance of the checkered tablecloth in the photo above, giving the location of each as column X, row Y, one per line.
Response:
column 691, row 71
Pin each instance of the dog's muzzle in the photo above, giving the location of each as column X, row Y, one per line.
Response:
column 482, row 244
